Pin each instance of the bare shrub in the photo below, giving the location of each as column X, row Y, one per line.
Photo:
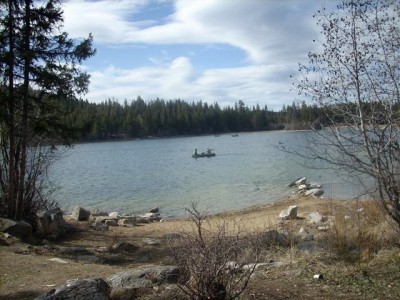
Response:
column 212, row 256
column 360, row 231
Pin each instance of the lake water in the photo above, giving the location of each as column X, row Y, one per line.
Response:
column 134, row 176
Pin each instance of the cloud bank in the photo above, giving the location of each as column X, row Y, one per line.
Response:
column 274, row 37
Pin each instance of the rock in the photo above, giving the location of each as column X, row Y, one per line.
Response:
column 99, row 226
column 314, row 218
column 51, row 223
column 314, row 192
column 154, row 210
column 303, row 187
column 103, row 219
column 98, row 213
column 89, row 288
column 125, row 246
column 151, row 217
column 146, row 277
column 59, row 260
column 323, row 228
column 111, row 223
column 301, row 181
column 80, row 214
column 305, row 235
column 293, row 183
column 289, row 213
column 315, row 185
column 114, row 214
column 126, row 222
column 19, row 229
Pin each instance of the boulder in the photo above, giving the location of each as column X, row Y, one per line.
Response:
column 150, row 217
column 154, row 210
column 301, row 181
column 89, row 288
column 315, row 218
column 293, row 183
column 19, row 229
column 315, row 185
column 114, row 214
column 146, row 277
column 314, row 192
column 303, row 187
column 80, row 214
column 99, row 226
column 127, row 222
column 111, row 223
column 289, row 213
column 51, row 222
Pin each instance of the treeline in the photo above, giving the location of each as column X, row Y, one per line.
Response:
column 159, row 118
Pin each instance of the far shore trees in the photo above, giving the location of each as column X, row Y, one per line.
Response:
column 38, row 65
column 355, row 80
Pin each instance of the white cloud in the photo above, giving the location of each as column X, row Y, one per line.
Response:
column 274, row 35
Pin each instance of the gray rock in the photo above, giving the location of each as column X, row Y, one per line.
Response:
column 103, row 219
column 19, row 229
column 131, row 221
column 89, row 288
column 293, row 183
column 99, row 226
column 111, row 223
column 146, row 277
column 301, row 181
column 80, row 214
column 3, row 243
column 51, row 223
column 315, row 218
column 315, row 185
column 303, row 187
column 154, row 210
column 314, row 192
column 289, row 213
column 114, row 214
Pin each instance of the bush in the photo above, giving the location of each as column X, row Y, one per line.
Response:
column 212, row 258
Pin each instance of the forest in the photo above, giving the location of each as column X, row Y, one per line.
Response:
column 160, row 118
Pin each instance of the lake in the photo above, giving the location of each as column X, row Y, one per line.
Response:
column 134, row 176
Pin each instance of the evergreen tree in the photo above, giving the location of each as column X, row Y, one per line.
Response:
column 38, row 64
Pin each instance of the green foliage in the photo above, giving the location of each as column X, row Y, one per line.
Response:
column 111, row 119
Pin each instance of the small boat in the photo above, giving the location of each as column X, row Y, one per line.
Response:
column 208, row 153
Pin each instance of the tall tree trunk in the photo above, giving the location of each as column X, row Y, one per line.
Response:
column 25, row 101
column 10, row 114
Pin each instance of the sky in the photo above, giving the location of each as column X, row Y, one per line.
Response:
column 210, row 50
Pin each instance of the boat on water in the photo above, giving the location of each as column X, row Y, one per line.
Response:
column 208, row 153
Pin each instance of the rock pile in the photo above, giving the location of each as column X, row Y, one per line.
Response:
column 309, row 189
column 102, row 220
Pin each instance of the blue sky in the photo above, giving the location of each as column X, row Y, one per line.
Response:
column 211, row 50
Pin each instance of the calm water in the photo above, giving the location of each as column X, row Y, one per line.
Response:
column 134, row 176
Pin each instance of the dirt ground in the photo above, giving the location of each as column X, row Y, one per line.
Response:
column 28, row 271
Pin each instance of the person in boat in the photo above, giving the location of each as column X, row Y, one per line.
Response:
column 195, row 151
